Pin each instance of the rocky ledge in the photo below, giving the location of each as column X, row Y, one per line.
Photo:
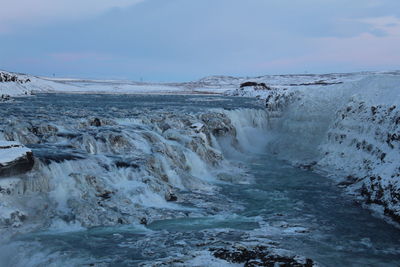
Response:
column 8, row 77
column 260, row 256
column 14, row 159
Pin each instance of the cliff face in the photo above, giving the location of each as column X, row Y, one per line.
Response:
column 14, row 159
column 13, row 85
column 364, row 144
column 349, row 130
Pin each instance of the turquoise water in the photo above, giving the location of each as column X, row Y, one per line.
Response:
column 298, row 209
column 293, row 208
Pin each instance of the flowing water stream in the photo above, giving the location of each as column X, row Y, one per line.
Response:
column 145, row 180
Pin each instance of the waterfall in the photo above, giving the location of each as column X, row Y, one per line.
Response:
column 95, row 171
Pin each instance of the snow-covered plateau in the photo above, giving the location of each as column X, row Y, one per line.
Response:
column 220, row 171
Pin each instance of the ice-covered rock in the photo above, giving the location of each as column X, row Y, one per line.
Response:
column 261, row 256
column 5, row 98
column 14, row 159
column 109, row 171
column 364, row 143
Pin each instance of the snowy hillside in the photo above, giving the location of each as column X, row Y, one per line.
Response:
column 24, row 84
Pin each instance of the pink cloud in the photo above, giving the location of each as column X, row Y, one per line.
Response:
column 365, row 50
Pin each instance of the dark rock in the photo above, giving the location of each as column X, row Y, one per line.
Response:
column 257, row 86
column 218, row 124
column 350, row 180
column 123, row 164
column 4, row 98
column 95, row 122
column 258, row 256
column 392, row 214
column 47, row 153
column 247, row 84
column 105, row 195
column 374, row 110
column 143, row 221
column 5, row 77
column 20, row 165
column 308, row 166
column 320, row 82
column 169, row 196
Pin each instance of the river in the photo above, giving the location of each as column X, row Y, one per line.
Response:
column 146, row 179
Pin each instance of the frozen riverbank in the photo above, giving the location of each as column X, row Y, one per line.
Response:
column 349, row 130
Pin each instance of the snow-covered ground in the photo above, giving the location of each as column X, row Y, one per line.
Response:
column 28, row 84
column 65, row 85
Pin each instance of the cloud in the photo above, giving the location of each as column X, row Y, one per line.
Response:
column 364, row 51
column 390, row 24
column 28, row 12
column 187, row 39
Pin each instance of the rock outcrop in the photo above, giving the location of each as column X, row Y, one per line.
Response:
column 369, row 135
column 5, row 98
column 256, row 86
column 8, row 77
column 260, row 256
column 14, row 159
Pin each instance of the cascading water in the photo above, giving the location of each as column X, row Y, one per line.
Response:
column 162, row 180
column 105, row 171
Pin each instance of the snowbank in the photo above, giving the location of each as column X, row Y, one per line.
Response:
column 14, row 158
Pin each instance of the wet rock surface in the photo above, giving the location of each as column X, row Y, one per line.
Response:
column 14, row 159
column 259, row 256
column 5, row 98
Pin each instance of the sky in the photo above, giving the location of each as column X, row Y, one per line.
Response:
column 183, row 40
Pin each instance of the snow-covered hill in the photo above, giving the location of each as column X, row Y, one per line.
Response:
column 24, row 84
